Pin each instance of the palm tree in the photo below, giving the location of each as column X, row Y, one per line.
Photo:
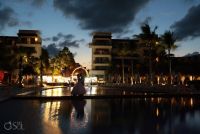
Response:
column 150, row 38
column 124, row 52
column 168, row 41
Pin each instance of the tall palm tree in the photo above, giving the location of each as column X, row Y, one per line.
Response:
column 128, row 52
column 168, row 41
column 122, row 52
column 150, row 38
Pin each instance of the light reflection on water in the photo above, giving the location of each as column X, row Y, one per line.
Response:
column 67, row 91
column 136, row 115
column 158, row 115
column 52, row 115
column 56, row 92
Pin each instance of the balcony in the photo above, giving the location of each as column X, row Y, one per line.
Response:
column 102, row 52
column 102, row 43
column 101, row 61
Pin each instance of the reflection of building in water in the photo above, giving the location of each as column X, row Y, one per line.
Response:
column 55, row 114
column 50, row 112
column 52, row 92
column 100, row 112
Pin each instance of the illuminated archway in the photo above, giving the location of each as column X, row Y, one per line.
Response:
column 80, row 68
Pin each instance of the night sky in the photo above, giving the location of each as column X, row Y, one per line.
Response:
column 71, row 22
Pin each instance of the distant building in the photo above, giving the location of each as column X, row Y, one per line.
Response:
column 25, row 38
column 101, row 53
column 30, row 39
column 108, row 53
column 8, row 42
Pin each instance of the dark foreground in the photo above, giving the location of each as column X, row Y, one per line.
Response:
column 114, row 116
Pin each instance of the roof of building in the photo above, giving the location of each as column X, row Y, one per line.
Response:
column 28, row 33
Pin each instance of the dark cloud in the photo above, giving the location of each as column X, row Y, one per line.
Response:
column 59, row 36
column 46, row 39
column 52, row 49
column 68, row 37
column 68, row 43
column 38, row 3
column 7, row 18
column 188, row 26
column 104, row 15
column 34, row 3
column 55, row 38
column 64, row 41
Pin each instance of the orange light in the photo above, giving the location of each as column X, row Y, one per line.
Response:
column 36, row 39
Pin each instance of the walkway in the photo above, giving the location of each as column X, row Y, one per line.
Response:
column 7, row 91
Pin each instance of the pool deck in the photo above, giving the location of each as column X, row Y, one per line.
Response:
column 123, row 91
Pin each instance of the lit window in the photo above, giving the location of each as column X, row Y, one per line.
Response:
column 36, row 39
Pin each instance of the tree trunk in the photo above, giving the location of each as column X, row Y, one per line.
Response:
column 170, row 68
column 123, row 71
column 150, row 65
column 20, row 71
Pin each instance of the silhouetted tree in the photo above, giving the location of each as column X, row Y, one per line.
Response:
column 168, row 40
column 150, row 38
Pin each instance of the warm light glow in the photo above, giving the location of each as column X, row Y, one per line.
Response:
column 158, row 100
column 172, row 101
column 61, row 79
column 80, row 68
column 157, row 42
column 182, row 79
column 52, row 92
column 50, row 115
column 191, row 102
column 190, row 77
column 158, row 79
column 36, row 39
column 157, row 112
column 91, row 90
column 90, row 80
column 25, row 59
column 157, row 59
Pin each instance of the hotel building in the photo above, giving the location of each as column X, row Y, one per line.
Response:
column 106, row 54
column 27, row 41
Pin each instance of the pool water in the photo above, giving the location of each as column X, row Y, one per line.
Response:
column 97, row 116
column 90, row 91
